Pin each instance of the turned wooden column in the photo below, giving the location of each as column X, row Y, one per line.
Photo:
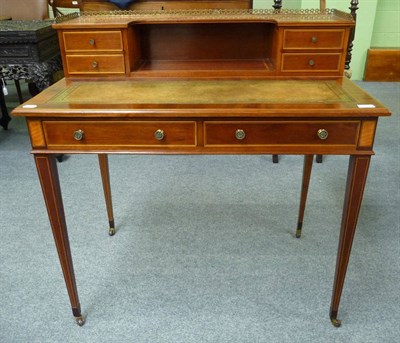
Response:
column 353, row 9
column 277, row 4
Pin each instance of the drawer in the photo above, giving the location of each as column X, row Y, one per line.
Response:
column 313, row 39
column 310, row 62
column 91, row 134
column 101, row 41
column 95, row 64
column 281, row 133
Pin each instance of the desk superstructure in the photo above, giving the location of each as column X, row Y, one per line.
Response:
column 204, row 82
column 207, row 43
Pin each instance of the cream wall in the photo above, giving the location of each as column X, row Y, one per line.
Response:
column 386, row 33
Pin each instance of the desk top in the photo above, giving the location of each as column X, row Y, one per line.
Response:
column 336, row 98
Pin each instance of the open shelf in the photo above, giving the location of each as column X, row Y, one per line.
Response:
column 192, row 49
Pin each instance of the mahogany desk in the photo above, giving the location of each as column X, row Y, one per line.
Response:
column 119, row 98
column 149, row 117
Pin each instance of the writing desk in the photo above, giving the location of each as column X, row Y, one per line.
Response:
column 219, row 111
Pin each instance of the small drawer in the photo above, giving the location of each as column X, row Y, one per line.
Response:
column 109, row 134
column 310, row 62
column 313, row 39
column 99, row 41
column 95, row 64
column 281, row 133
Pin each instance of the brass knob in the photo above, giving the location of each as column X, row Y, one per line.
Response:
column 311, row 62
column 314, row 39
column 95, row 64
column 322, row 134
column 159, row 135
column 91, row 41
column 79, row 134
column 240, row 134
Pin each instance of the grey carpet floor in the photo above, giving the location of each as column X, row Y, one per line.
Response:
column 204, row 250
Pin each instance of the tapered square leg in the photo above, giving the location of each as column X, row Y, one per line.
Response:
column 105, row 178
column 48, row 175
column 307, row 167
column 356, row 179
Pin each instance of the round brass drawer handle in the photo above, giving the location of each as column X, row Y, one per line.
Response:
column 95, row 64
column 159, row 135
column 314, row 39
column 240, row 134
column 311, row 62
column 79, row 135
column 91, row 41
column 322, row 134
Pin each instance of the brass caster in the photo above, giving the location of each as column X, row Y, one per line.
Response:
column 111, row 231
column 298, row 230
column 80, row 320
column 336, row 322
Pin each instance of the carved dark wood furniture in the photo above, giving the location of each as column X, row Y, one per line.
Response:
column 204, row 82
column 29, row 50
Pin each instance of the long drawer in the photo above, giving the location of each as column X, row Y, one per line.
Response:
column 95, row 41
column 310, row 62
column 313, row 39
column 245, row 133
column 92, row 134
column 95, row 64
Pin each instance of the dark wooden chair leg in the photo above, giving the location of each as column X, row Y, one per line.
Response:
column 275, row 158
column 308, row 162
column 5, row 118
column 318, row 158
column 105, row 178
column 19, row 92
column 33, row 89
